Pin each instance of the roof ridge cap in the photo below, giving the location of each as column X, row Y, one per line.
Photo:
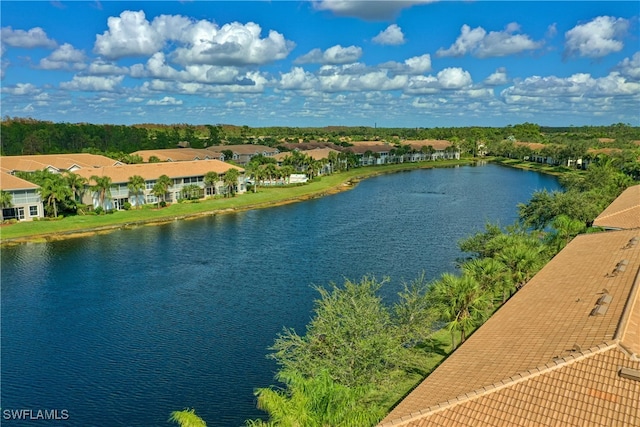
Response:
column 507, row 382
column 620, row 211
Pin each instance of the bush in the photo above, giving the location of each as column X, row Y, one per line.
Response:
column 163, row 204
column 126, row 206
column 98, row 210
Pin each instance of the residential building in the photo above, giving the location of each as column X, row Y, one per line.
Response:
column 55, row 163
column 182, row 174
column 179, row 154
column 26, row 203
column 242, row 153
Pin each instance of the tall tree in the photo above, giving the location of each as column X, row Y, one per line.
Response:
column 6, row 200
column 54, row 191
column 231, row 181
column 210, row 180
column 76, row 183
column 102, row 186
column 461, row 303
column 164, row 183
column 136, row 187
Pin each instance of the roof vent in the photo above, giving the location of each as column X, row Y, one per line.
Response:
column 632, row 243
column 620, row 267
column 630, row 374
column 602, row 305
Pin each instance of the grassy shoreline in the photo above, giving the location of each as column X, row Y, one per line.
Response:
column 87, row 225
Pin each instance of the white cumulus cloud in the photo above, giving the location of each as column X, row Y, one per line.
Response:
column 630, row 67
column 497, row 78
column 332, row 56
column 66, row 57
column 597, row 38
column 130, row 34
column 167, row 100
column 392, row 36
column 93, row 83
column 21, row 89
column 35, row 37
column 454, row 78
column 482, row 44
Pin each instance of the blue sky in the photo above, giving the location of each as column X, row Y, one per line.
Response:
column 320, row 63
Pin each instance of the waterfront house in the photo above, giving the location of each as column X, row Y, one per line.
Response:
column 564, row 350
column 26, row 203
column 182, row 174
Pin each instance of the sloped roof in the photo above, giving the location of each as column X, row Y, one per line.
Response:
column 542, row 358
column 176, row 154
column 9, row 182
column 243, row 149
column 151, row 171
column 438, row 144
column 623, row 213
column 57, row 161
column 316, row 154
column 535, row 146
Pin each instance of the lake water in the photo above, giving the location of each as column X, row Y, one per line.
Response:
column 123, row 328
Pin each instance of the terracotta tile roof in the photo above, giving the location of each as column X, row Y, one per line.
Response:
column 243, row 149
column 543, row 359
column 623, row 213
column 10, row 182
column 374, row 148
column 151, row 171
column 438, row 144
column 316, row 154
column 58, row 161
column 535, row 146
column 177, row 154
column 302, row 146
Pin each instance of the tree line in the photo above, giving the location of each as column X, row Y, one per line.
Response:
column 23, row 136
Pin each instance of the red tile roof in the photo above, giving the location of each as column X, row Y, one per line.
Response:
column 10, row 182
column 623, row 213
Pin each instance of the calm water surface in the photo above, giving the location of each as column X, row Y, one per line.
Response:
column 121, row 329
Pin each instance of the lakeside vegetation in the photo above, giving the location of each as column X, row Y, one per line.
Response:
column 360, row 356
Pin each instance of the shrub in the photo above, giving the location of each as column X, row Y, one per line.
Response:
column 99, row 210
column 126, row 206
column 163, row 204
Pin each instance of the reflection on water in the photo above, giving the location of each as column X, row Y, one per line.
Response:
column 123, row 328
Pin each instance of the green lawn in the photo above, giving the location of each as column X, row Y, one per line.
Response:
column 39, row 230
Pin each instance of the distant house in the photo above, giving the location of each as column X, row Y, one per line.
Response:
column 182, row 174
column 26, row 203
column 318, row 154
column 243, row 153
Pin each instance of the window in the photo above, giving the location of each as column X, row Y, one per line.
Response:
column 20, row 213
column 149, row 184
column 33, row 211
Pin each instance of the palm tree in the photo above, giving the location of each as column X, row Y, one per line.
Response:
column 76, row 183
column 103, row 188
column 231, row 180
column 270, row 171
column 210, row 180
column 164, row 183
column 286, row 172
column 187, row 418
column 54, row 190
column 460, row 302
column 491, row 274
column 136, row 186
column 523, row 262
